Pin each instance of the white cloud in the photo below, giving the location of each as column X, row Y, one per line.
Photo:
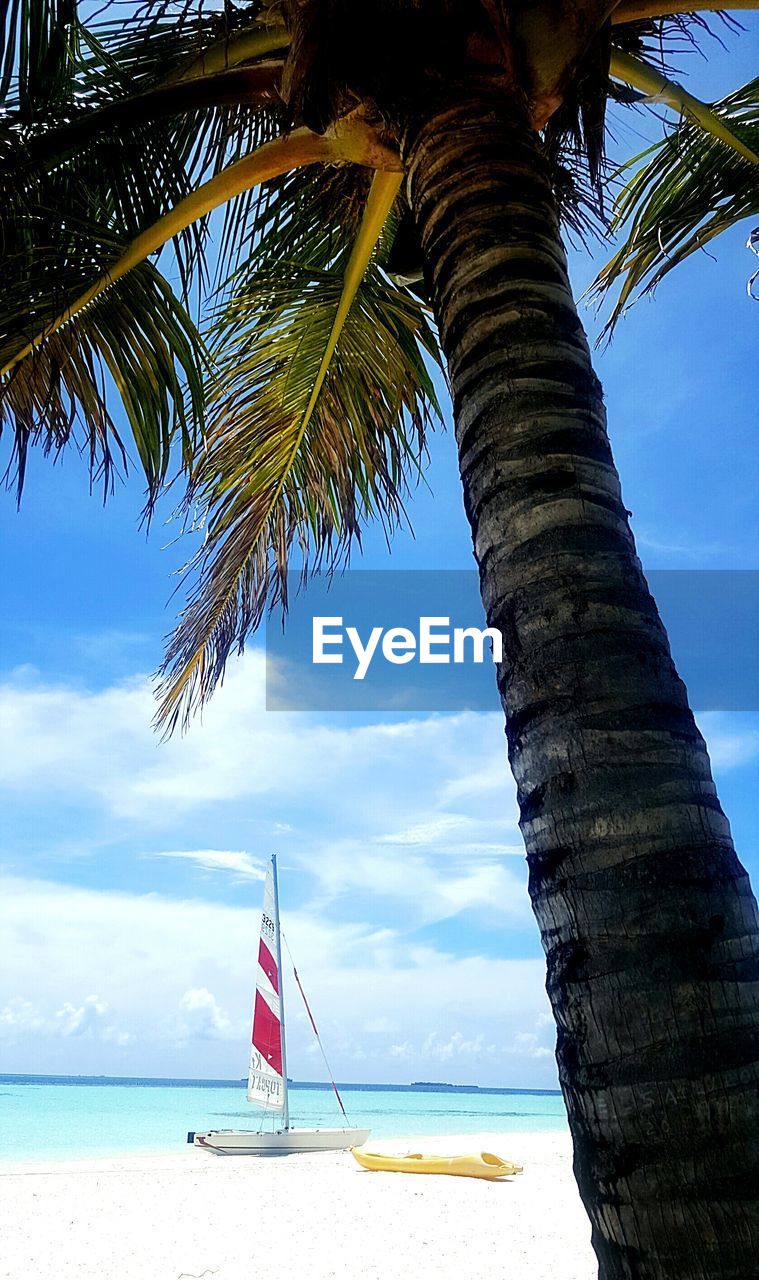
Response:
column 114, row 1035
column 730, row 742
column 81, row 1020
column 100, row 748
column 689, row 548
column 418, row 813
column 390, row 827
column 175, row 986
column 19, row 1015
column 446, row 831
column 527, row 1042
column 242, row 864
column 478, row 1050
column 203, row 1017
column 429, row 890
column 20, row 1018
column 379, row 1026
column 437, row 785
column 456, row 1046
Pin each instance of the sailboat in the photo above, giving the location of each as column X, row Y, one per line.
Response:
column 267, row 1073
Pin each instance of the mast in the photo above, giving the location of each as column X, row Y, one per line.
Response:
column 278, row 957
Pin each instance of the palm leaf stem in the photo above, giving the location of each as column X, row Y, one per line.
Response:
column 641, row 76
column 355, row 142
column 381, row 199
column 233, row 50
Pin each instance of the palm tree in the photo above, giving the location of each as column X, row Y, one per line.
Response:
column 393, row 178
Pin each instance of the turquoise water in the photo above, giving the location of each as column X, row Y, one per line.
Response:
column 43, row 1117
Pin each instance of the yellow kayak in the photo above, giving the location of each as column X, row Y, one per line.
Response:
column 482, row 1165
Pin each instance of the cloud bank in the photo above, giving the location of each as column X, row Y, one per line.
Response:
column 175, row 988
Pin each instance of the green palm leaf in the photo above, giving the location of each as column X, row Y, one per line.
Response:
column 138, row 342
column 41, row 47
column 319, row 418
column 680, row 194
column 44, row 297
column 122, row 126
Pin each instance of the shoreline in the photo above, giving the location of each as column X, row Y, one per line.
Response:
column 186, row 1213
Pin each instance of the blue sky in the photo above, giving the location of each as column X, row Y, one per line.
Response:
column 130, row 869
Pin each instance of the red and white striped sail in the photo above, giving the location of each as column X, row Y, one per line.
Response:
column 266, row 1085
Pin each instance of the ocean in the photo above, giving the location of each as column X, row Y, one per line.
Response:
column 73, row 1117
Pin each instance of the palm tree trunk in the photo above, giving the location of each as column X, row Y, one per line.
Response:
column 646, row 915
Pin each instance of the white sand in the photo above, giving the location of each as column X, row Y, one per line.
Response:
column 305, row 1217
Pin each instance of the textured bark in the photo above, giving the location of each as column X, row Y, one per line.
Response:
column 645, row 912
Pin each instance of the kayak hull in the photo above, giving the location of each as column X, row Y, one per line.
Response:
column 481, row 1165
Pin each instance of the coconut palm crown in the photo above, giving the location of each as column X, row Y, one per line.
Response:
column 380, row 187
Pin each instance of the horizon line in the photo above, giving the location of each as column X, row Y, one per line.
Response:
column 426, row 1085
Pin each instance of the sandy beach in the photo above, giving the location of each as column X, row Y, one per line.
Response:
column 314, row 1217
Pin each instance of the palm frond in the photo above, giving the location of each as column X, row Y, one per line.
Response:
column 268, row 222
column 46, row 311
column 239, row 87
column 166, row 45
column 120, row 124
column 662, row 38
column 135, row 158
column 681, row 193
column 137, row 341
column 297, row 148
column 158, row 43
column 59, row 345
column 658, row 88
column 41, row 44
column 319, row 419
column 122, row 181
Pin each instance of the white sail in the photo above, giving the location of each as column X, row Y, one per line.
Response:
column 266, row 1083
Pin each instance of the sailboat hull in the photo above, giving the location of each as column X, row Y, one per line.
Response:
column 285, row 1142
